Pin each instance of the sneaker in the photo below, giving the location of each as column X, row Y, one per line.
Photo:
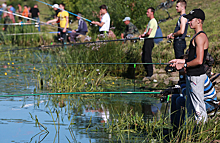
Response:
column 61, row 38
column 147, row 78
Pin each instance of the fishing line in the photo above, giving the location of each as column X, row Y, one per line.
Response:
column 72, row 44
column 78, row 93
column 65, row 10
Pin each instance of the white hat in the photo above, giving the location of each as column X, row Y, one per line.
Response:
column 55, row 6
column 127, row 18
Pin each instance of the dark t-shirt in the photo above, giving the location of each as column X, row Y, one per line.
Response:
column 34, row 12
column 57, row 11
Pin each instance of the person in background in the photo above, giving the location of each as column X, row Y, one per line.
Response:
column 82, row 29
column 11, row 16
column 7, row 20
column 180, row 30
column 56, row 9
column 1, row 12
column 12, row 9
column 25, row 12
column 130, row 29
column 35, row 13
column 19, row 11
column 149, row 32
column 64, row 21
column 105, row 21
column 4, row 6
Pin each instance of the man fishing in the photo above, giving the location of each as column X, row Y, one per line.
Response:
column 105, row 21
column 130, row 29
column 149, row 32
column 56, row 9
column 194, row 66
column 63, row 16
column 180, row 30
column 82, row 28
column 25, row 12
column 35, row 13
column 178, row 97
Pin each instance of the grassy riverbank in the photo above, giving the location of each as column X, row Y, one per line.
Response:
column 53, row 71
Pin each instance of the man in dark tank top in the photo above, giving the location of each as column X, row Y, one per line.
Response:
column 180, row 30
column 194, row 66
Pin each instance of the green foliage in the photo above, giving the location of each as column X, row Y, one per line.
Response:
column 15, row 3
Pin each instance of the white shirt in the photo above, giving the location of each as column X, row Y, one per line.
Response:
column 106, row 20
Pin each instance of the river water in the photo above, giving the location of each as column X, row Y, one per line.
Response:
column 69, row 118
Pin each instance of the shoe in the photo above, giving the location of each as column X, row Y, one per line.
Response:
column 61, row 38
column 147, row 78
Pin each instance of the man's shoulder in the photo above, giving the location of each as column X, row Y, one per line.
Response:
column 153, row 20
column 106, row 16
column 201, row 37
column 65, row 12
column 130, row 24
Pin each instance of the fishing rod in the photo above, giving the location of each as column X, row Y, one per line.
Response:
column 11, row 65
column 65, row 10
column 20, row 24
column 32, row 33
column 72, row 44
column 78, row 93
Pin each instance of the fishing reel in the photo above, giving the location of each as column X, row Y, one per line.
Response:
column 172, row 90
column 170, row 69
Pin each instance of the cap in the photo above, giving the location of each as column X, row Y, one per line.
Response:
column 127, row 18
column 55, row 6
column 195, row 13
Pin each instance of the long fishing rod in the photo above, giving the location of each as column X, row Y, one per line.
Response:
column 20, row 24
column 11, row 65
column 75, row 93
column 72, row 44
column 31, row 33
column 65, row 10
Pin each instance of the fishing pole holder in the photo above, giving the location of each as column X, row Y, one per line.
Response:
column 171, row 90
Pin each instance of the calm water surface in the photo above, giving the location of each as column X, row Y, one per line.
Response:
column 70, row 118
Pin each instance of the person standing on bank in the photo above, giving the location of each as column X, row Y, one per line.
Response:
column 180, row 30
column 130, row 30
column 25, row 12
column 194, row 65
column 63, row 16
column 35, row 13
column 149, row 43
column 56, row 9
column 105, row 21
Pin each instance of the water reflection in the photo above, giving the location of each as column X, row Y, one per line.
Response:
column 75, row 118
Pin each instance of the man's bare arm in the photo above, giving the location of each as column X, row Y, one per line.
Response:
column 200, row 42
column 182, row 27
column 53, row 20
column 181, row 31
